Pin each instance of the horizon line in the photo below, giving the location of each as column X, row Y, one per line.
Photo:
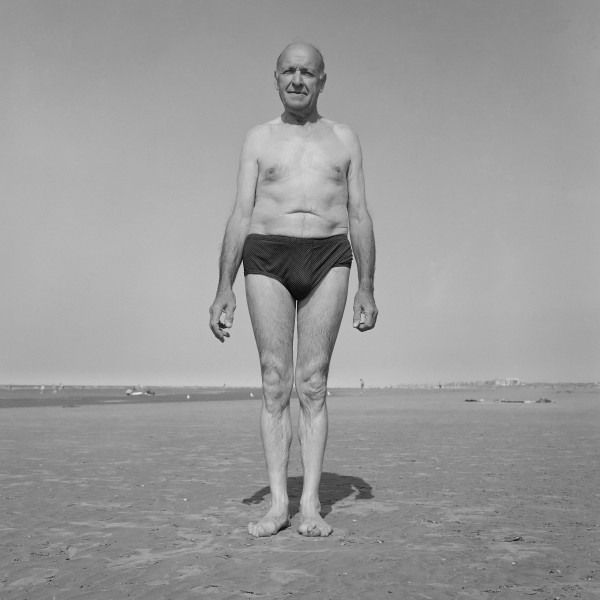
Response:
column 489, row 382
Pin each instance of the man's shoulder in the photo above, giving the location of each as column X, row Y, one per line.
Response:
column 344, row 132
column 261, row 132
column 256, row 138
column 258, row 130
column 337, row 126
column 265, row 128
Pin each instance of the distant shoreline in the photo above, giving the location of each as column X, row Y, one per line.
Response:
column 206, row 388
column 76, row 396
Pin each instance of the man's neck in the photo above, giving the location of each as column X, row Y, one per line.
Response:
column 293, row 118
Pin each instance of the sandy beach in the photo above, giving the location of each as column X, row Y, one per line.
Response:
column 430, row 497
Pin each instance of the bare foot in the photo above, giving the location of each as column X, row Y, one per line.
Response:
column 313, row 525
column 270, row 524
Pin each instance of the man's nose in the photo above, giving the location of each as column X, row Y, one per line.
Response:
column 297, row 78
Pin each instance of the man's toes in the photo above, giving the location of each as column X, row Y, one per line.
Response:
column 314, row 530
column 309, row 530
column 255, row 530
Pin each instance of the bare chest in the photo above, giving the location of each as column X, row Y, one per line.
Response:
column 289, row 156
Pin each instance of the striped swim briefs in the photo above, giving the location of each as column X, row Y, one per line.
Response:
column 300, row 264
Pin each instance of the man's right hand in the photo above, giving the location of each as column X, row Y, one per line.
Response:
column 221, row 314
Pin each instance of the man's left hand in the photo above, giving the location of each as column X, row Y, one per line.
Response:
column 365, row 311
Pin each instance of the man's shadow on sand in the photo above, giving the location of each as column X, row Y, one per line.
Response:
column 333, row 488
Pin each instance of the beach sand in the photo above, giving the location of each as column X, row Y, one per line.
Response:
column 430, row 497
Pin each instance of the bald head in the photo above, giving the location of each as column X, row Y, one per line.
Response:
column 304, row 47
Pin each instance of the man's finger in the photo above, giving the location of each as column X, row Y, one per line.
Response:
column 215, row 314
column 216, row 325
column 229, row 317
column 216, row 332
column 356, row 320
column 368, row 320
column 218, row 335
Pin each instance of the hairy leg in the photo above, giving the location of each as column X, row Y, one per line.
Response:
column 273, row 312
column 319, row 318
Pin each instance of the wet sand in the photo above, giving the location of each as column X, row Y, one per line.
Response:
column 429, row 497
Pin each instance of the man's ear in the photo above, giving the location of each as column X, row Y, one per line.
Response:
column 275, row 77
column 323, row 80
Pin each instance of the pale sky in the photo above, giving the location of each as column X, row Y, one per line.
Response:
column 120, row 129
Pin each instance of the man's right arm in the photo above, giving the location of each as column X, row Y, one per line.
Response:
column 223, row 307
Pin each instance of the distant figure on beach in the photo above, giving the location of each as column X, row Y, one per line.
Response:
column 300, row 192
column 362, row 385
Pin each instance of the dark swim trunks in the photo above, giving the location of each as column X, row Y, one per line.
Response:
column 298, row 263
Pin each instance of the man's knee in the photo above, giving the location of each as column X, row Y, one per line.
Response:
column 311, row 382
column 277, row 383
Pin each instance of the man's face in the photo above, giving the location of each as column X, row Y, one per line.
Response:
column 299, row 78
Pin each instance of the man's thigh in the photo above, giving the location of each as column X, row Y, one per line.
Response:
column 319, row 317
column 273, row 314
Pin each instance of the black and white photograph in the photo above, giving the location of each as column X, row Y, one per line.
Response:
column 300, row 299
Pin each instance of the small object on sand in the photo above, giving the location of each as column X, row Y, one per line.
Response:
column 188, row 396
column 251, row 395
column 543, row 401
column 513, row 538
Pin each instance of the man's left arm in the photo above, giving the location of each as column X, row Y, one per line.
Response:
column 362, row 238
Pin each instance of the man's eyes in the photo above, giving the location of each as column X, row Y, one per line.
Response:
column 302, row 72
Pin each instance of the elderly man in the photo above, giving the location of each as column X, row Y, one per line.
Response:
column 300, row 191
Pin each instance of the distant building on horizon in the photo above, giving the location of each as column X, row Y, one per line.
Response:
column 508, row 381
